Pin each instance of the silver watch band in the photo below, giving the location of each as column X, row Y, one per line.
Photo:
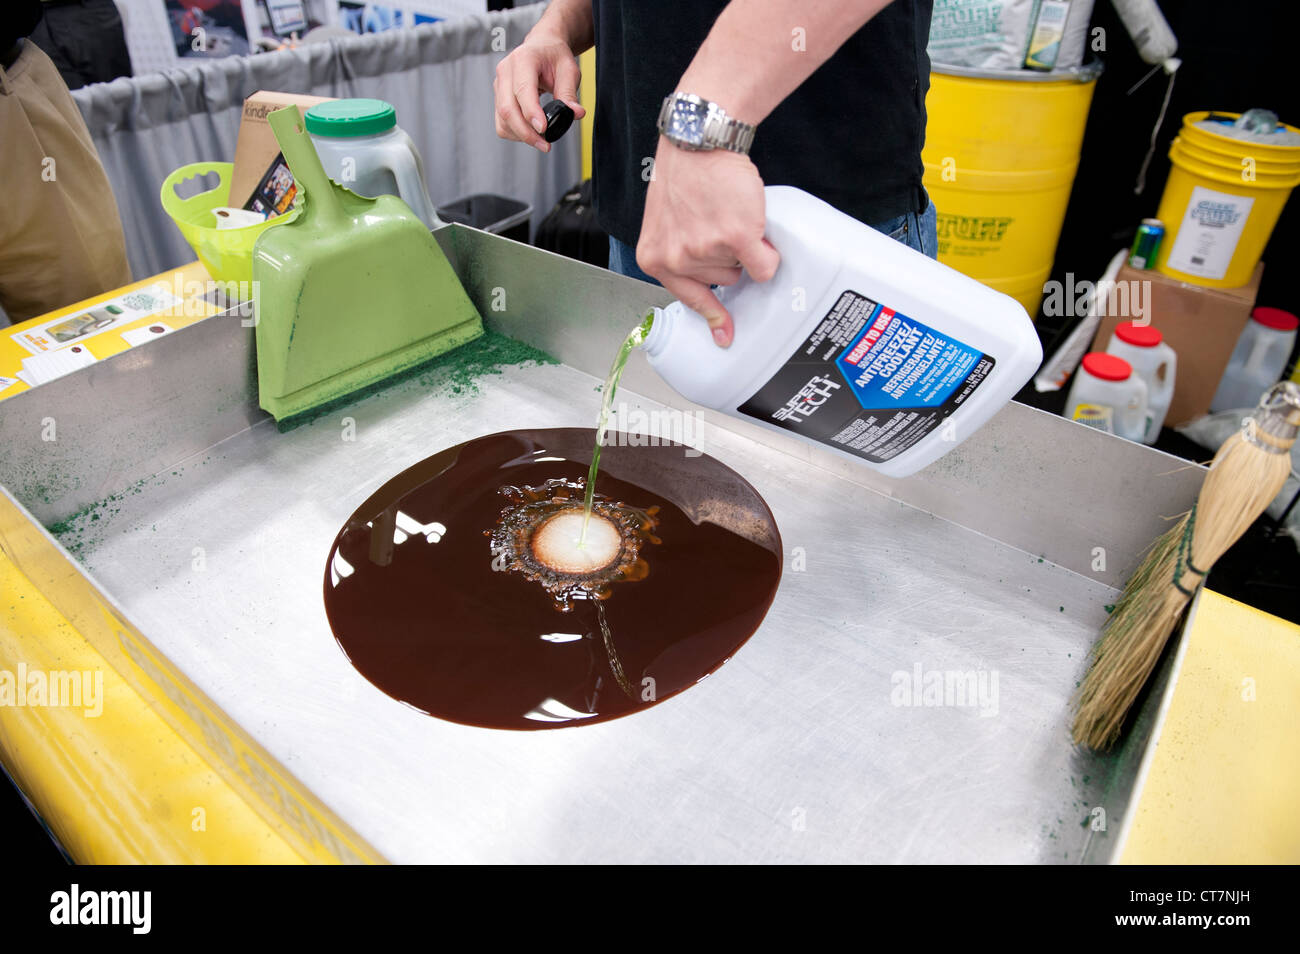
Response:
column 694, row 123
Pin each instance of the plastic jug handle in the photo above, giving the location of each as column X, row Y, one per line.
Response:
column 784, row 208
column 1133, row 420
column 775, row 234
column 1165, row 386
column 1258, row 352
column 410, row 182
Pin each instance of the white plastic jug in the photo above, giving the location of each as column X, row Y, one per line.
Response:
column 858, row 343
column 1258, row 360
column 1144, row 348
column 1107, row 395
column 362, row 148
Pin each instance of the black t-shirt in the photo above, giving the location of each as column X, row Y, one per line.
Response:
column 851, row 134
column 17, row 19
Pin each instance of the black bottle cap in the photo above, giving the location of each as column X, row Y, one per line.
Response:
column 559, row 118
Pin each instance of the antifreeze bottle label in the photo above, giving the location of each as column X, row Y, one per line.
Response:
column 870, row 381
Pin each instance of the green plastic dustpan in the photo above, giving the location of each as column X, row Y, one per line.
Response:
column 351, row 292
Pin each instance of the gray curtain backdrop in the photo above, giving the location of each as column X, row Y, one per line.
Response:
column 438, row 76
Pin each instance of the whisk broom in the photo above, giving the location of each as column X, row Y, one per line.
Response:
column 1248, row 471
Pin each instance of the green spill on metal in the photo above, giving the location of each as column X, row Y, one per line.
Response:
column 77, row 532
column 458, row 372
column 455, row 372
column 36, row 482
column 491, row 354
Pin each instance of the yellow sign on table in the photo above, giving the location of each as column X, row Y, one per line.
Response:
column 61, row 341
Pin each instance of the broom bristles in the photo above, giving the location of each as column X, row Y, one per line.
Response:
column 1243, row 480
column 1130, row 643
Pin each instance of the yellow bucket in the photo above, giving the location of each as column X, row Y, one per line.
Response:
column 1001, row 151
column 1221, row 202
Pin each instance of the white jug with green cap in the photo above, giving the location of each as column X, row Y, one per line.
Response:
column 363, row 149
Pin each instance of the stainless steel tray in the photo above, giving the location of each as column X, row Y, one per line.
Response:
column 209, row 530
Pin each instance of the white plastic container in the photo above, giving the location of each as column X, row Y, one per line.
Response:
column 1257, row 361
column 1143, row 347
column 362, row 148
column 1107, row 395
column 858, row 343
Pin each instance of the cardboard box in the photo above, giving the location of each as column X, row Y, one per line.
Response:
column 256, row 148
column 1201, row 325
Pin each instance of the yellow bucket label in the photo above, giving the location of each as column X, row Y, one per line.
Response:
column 1210, row 230
column 971, row 235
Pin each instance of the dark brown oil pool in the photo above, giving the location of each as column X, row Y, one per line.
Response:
column 446, row 607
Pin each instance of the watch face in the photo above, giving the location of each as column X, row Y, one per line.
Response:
column 686, row 123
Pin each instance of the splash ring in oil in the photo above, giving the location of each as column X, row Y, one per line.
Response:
column 540, row 536
column 427, row 610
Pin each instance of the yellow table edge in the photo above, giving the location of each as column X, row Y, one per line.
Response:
column 126, row 787
column 117, row 786
column 1220, row 778
column 281, row 802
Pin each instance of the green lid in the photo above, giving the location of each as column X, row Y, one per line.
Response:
column 351, row 117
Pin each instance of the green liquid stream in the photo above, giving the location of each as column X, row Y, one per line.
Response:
column 633, row 340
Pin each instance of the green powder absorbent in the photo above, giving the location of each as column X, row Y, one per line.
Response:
column 457, row 370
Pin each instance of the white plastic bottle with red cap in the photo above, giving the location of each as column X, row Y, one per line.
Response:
column 1107, row 395
column 1258, row 360
column 1144, row 348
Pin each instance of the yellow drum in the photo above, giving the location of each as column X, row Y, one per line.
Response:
column 1221, row 202
column 1001, row 151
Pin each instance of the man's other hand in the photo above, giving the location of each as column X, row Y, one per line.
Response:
column 542, row 63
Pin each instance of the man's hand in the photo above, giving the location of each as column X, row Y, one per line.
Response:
column 704, row 211
column 704, row 221
column 543, row 62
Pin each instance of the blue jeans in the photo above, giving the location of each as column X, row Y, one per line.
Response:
column 917, row 231
column 622, row 259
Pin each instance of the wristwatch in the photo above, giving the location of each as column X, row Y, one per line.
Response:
column 694, row 123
